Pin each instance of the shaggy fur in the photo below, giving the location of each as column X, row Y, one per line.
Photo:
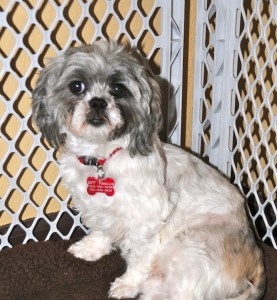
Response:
column 181, row 226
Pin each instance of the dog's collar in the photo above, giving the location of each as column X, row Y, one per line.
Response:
column 99, row 184
column 96, row 161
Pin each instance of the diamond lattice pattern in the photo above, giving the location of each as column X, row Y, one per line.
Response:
column 252, row 140
column 207, row 69
column 255, row 142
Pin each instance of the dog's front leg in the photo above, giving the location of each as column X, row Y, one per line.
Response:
column 139, row 263
column 91, row 247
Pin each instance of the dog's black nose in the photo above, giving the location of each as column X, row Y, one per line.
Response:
column 98, row 103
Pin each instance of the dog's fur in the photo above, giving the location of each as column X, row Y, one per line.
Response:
column 180, row 225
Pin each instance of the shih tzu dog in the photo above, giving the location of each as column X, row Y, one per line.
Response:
column 180, row 225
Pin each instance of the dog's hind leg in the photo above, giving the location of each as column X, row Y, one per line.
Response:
column 139, row 264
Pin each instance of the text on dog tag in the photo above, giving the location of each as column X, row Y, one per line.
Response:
column 98, row 185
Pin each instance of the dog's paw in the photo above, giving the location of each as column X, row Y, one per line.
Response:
column 89, row 254
column 92, row 247
column 121, row 289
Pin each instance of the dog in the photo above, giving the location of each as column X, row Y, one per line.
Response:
column 179, row 224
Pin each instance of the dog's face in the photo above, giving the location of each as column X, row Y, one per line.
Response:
column 99, row 93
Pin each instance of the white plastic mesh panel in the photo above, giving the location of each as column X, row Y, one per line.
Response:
column 235, row 106
column 31, row 32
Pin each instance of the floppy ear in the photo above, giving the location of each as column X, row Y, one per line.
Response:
column 45, row 111
column 143, row 137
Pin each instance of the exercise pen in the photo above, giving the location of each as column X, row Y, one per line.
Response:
column 216, row 63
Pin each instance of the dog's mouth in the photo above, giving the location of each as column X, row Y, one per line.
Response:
column 96, row 119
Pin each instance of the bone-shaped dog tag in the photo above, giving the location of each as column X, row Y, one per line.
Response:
column 98, row 185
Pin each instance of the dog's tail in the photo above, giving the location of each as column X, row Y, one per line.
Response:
column 244, row 262
column 255, row 287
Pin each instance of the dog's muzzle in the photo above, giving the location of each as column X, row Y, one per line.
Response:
column 96, row 116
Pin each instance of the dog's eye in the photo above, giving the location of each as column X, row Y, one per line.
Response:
column 119, row 91
column 77, row 87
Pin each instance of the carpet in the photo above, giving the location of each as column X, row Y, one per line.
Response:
column 46, row 271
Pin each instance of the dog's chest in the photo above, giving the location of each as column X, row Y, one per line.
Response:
column 119, row 185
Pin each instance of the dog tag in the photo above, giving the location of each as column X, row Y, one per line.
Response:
column 98, row 185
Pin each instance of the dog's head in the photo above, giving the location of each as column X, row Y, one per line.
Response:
column 100, row 93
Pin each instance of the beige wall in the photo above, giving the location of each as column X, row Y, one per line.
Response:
column 190, row 17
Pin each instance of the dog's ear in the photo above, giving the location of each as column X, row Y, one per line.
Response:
column 45, row 111
column 143, row 137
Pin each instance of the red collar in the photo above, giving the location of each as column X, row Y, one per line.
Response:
column 96, row 161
